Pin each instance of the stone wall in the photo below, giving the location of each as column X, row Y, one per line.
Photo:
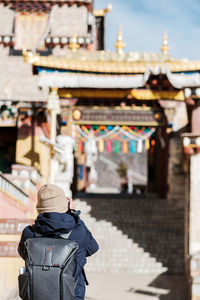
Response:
column 16, row 79
column 176, row 175
column 194, row 204
column 194, row 225
column 63, row 25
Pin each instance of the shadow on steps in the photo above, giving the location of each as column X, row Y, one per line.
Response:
column 154, row 226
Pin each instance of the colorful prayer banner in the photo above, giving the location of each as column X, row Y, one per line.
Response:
column 139, row 146
column 137, row 137
column 132, row 147
column 125, row 147
column 108, row 146
column 117, row 150
column 101, row 146
column 147, row 144
column 81, row 147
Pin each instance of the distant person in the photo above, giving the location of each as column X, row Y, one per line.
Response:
column 130, row 181
column 91, row 157
column 57, row 217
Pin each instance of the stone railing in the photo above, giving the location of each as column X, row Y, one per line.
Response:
column 195, row 276
column 191, row 143
column 12, row 190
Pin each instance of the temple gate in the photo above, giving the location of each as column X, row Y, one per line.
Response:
column 116, row 119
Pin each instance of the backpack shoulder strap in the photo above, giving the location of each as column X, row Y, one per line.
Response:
column 85, row 278
column 36, row 234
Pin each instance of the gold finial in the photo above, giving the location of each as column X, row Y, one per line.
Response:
column 165, row 48
column 28, row 56
column 102, row 12
column 120, row 44
column 108, row 8
column 74, row 46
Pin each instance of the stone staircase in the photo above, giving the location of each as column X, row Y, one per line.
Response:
column 135, row 235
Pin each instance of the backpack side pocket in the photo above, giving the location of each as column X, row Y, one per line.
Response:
column 23, row 283
column 68, row 287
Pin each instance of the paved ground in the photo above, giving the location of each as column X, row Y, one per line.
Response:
column 135, row 287
column 125, row 287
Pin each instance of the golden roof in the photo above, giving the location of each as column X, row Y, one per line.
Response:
column 139, row 94
column 111, row 62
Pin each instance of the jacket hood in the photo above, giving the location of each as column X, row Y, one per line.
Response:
column 56, row 222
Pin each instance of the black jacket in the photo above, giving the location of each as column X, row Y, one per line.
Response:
column 60, row 223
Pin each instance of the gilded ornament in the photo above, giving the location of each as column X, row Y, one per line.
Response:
column 102, row 12
column 120, row 45
column 73, row 45
column 165, row 48
column 76, row 114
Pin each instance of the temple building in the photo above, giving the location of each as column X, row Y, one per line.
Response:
column 92, row 120
column 132, row 103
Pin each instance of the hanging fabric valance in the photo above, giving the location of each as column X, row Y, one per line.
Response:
column 119, row 138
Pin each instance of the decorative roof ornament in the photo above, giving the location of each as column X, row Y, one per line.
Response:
column 120, row 45
column 165, row 48
column 29, row 56
column 102, row 12
column 74, row 45
column 41, row 5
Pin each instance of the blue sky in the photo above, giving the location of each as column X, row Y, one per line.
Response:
column 144, row 21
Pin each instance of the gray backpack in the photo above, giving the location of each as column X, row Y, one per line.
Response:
column 50, row 266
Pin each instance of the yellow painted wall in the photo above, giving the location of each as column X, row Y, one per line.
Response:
column 9, row 267
column 38, row 157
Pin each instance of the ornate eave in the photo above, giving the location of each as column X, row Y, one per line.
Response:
column 7, row 40
column 111, row 62
column 137, row 94
column 117, row 81
column 41, row 5
column 50, row 2
column 50, row 41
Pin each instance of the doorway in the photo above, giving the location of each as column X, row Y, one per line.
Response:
column 133, row 166
column 8, row 138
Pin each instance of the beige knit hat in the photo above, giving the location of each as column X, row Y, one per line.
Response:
column 51, row 198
